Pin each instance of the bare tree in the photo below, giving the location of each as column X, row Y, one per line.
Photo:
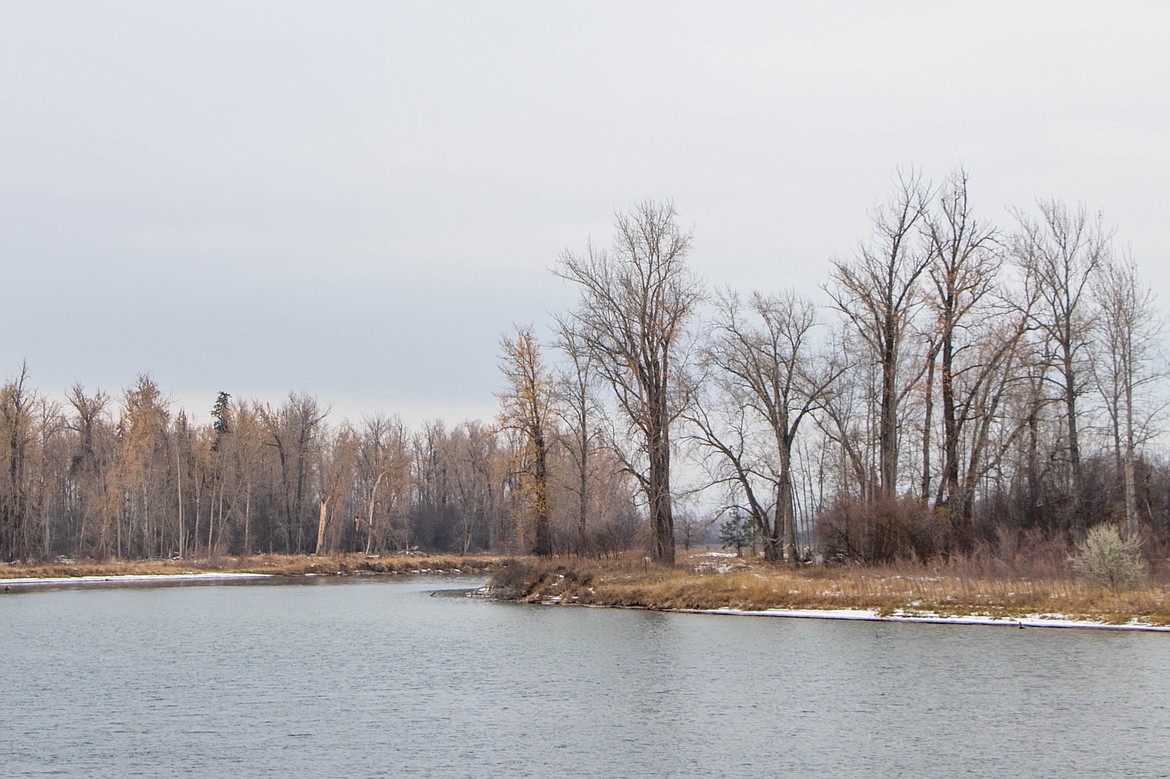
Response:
column 244, row 468
column 433, row 499
column 472, row 453
column 848, row 421
column 983, row 429
column 1059, row 255
column 144, row 464
column 761, row 362
column 293, row 431
column 578, row 411
column 693, row 527
column 636, row 301
column 1129, row 333
column 383, row 474
column 90, row 468
column 878, row 294
column 526, row 407
column 976, row 336
column 17, row 428
column 336, row 477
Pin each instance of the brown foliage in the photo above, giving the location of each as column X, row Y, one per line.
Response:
column 881, row 530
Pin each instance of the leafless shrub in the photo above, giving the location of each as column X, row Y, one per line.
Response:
column 1108, row 560
column 881, row 530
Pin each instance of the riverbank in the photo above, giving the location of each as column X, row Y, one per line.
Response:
column 81, row 572
column 707, row 582
column 719, row 584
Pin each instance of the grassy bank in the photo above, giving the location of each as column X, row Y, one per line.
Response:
column 277, row 565
column 706, row 582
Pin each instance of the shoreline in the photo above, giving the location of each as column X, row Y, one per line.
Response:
column 52, row 581
column 208, row 577
column 63, row 571
column 728, row 588
column 1052, row 621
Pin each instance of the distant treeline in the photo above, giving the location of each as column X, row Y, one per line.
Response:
column 967, row 387
column 128, row 477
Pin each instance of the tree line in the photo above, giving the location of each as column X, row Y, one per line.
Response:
column 129, row 477
column 966, row 384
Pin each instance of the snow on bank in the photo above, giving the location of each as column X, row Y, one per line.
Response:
column 138, row 577
column 867, row 615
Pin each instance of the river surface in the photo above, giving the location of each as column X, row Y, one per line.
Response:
column 371, row 678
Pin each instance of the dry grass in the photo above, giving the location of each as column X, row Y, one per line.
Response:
column 279, row 565
column 951, row 589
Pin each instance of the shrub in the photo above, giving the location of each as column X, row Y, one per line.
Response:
column 514, row 580
column 881, row 530
column 1108, row 560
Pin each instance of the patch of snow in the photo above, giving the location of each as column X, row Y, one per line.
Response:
column 869, row 615
column 136, row 577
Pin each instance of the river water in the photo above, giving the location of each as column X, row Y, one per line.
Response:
column 371, row 678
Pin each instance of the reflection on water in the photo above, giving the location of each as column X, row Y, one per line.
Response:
column 378, row 678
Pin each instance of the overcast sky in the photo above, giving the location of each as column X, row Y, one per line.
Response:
column 356, row 199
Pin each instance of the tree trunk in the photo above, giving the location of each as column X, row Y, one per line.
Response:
column 661, row 516
column 927, row 424
column 888, row 420
column 1074, row 445
column 321, row 520
column 542, row 542
column 1131, row 519
column 582, row 502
